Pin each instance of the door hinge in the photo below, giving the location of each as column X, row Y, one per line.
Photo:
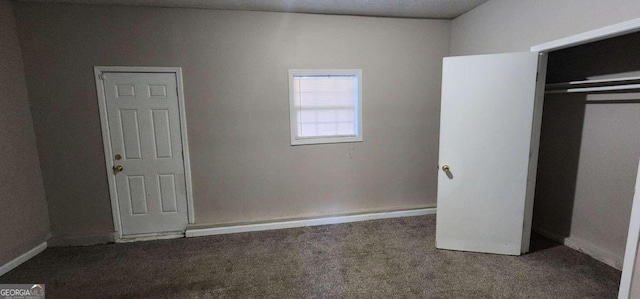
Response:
column 537, row 75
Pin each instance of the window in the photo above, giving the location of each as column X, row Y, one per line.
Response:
column 326, row 106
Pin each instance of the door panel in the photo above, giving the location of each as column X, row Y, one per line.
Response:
column 162, row 136
column 486, row 130
column 137, row 194
column 144, row 128
column 130, row 133
column 168, row 192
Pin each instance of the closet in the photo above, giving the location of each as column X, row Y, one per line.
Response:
column 546, row 140
column 589, row 147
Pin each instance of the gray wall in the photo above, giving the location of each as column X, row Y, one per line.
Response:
column 235, row 66
column 24, row 222
column 593, row 143
column 499, row 26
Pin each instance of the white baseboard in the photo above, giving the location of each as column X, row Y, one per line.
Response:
column 584, row 247
column 198, row 232
column 22, row 258
column 82, row 240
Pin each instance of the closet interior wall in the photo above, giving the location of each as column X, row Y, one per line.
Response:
column 589, row 150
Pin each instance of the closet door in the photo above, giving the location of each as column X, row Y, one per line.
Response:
column 489, row 130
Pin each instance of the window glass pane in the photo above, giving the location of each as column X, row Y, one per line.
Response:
column 325, row 129
column 307, row 116
column 324, row 105
column 345, row 129
column 324, row 99
column 345, row 115
column 307, row 130
column 325, row 116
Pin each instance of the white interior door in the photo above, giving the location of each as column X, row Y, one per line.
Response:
column 146, row 142
column 486, row 129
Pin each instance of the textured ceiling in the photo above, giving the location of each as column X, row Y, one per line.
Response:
column 433, row 9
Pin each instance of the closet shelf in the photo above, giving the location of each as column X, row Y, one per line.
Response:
column 623, row 84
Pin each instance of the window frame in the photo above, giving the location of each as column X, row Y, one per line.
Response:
column 295, row 140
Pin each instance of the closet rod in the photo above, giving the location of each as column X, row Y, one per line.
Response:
column 611, row 88
column 598, row 85
column 595, row 82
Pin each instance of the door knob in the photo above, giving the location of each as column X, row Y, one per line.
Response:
column 445, row 168
column 118, row 168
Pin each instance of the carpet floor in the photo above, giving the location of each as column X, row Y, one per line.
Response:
column 391, row 258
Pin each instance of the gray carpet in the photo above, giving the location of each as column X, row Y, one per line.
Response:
column 393, row 258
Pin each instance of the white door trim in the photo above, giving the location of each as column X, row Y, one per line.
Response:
column 633, row 238
column 98, row 70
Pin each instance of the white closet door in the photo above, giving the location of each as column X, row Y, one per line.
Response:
column 486, row 129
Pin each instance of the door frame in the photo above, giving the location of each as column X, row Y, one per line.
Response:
column 633, row 237
column 106, row 140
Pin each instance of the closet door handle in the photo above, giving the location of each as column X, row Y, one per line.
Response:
column 445, row 168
